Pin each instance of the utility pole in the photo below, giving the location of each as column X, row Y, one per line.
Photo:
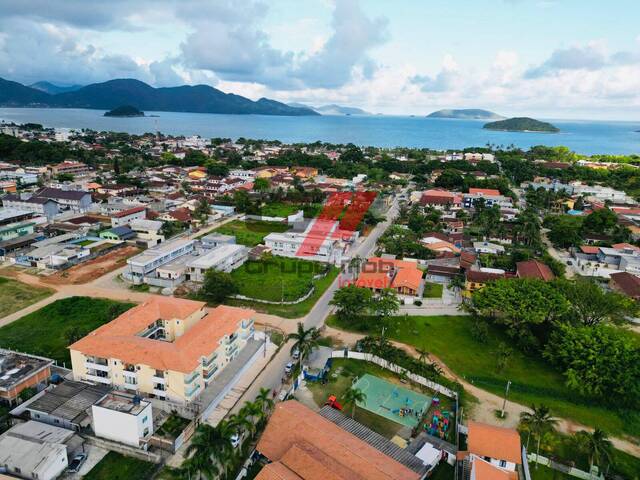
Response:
column 506, row 394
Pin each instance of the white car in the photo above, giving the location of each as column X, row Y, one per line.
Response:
column 235, row 440
column 296, row 354
column 288, row 368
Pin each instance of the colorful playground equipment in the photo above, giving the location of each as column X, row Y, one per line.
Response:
column 407, row 409
column 333, row 402
column 439, row 426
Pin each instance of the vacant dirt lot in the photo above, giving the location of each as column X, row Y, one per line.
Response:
column 87, row 271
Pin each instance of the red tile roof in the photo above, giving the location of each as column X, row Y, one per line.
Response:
column 495, row 442
column 627, row 283
column 310, row 447
column 130, row 211
column 485, row 191
column 534, row 269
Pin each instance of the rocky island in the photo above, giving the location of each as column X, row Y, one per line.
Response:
column 124, row 111
column 521, row 124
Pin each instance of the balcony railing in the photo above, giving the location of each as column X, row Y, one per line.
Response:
column 96, row 378
column 190, row 392
column 232, row 338
column 206, row 363
column 191, row 378
column 210, row 373
column 160, row 380
column 90, row 364
column 159, row 393
column 232, row 350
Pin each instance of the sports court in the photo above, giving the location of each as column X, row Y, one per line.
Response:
column 387, row 400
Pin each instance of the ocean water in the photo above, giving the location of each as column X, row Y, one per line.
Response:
column 586, row 137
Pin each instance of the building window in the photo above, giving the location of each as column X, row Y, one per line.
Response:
column 144, row 420
column 503, row 463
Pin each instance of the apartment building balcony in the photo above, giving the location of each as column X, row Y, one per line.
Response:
column 129, row 376
column 92, row 364
column 191, row 378
column 231, row 350
column 206, row 363
column 98, row 379
column 159, row 380
column 160, row 393
column 210, row 373
column 232, row 338
column 192, row 391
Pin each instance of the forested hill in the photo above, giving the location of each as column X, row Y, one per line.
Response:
column 114, row 93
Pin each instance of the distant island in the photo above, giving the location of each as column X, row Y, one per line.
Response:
column 332, row 109
column 124, row 111
column 127, row 91
column 521, row 124
column 466, row 114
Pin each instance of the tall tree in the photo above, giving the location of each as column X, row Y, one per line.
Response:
column 305, row 341
column 217, row 286
column 591, row 305
column 597, row 446
column 353, row 396
column 538, row 422
column 385, row 304
column 351, row 301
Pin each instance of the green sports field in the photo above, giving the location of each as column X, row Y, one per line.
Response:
column 386, row 399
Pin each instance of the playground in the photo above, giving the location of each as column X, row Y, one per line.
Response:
column 391, row 401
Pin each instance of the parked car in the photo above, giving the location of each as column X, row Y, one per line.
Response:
column 283, row 395
column 296, row 354
column 288, row 368
column 76, row 462
column 235, row 440
column 569, row 262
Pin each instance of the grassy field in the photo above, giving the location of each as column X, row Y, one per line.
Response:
column 115, row 466
column 276, row 278
column 533, row 380
column 432, row 290
column 251, row 232
column 540, row 472
column 289, row 311
column 280, row 209
column 46, row 331
column 15, row 296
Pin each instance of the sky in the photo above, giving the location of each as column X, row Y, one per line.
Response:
column 576, row 59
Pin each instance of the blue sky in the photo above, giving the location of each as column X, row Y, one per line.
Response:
column 554, row 59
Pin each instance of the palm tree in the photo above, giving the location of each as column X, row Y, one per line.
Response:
column 253, row 411
column 240, row 422
column 305, row 341
column 353, row 396
column 210, row 449
column 597, row 446
column 538, row 422
column 264, row 400
column 355, row 263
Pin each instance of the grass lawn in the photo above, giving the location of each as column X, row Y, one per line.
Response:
column 339, row 385
column 540, row 472
column 432, row 290
column 280, row 209
column 276, row 278
column 15, row 296
column 287, row 311
column 45, row 331
column 251, row 232
column 533, row 380
column 115, row 466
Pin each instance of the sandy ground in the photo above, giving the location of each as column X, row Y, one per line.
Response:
column 88, row 271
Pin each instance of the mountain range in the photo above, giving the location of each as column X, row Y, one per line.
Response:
column 332, row 109
column 52, row 89
column 114, row 93
column 466, row 114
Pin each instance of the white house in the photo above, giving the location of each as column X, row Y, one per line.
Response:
column 487, row 247
column 224, row 258
column 124, row 418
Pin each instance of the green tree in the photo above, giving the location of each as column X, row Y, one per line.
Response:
column 261, row 185
column 596, row 446
column 202, row 211
column 564, row 230
column 538, row 422
column 351, row 302
column 64, row 177
column 385, row 304
column 600, row 221
column 305, row 341
column 264, row 400
column 217, row 286
column 600, row 362
column 525, row 307
column 217, row 169
column 591, row 305
column 210, row 449
column 353, row 396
